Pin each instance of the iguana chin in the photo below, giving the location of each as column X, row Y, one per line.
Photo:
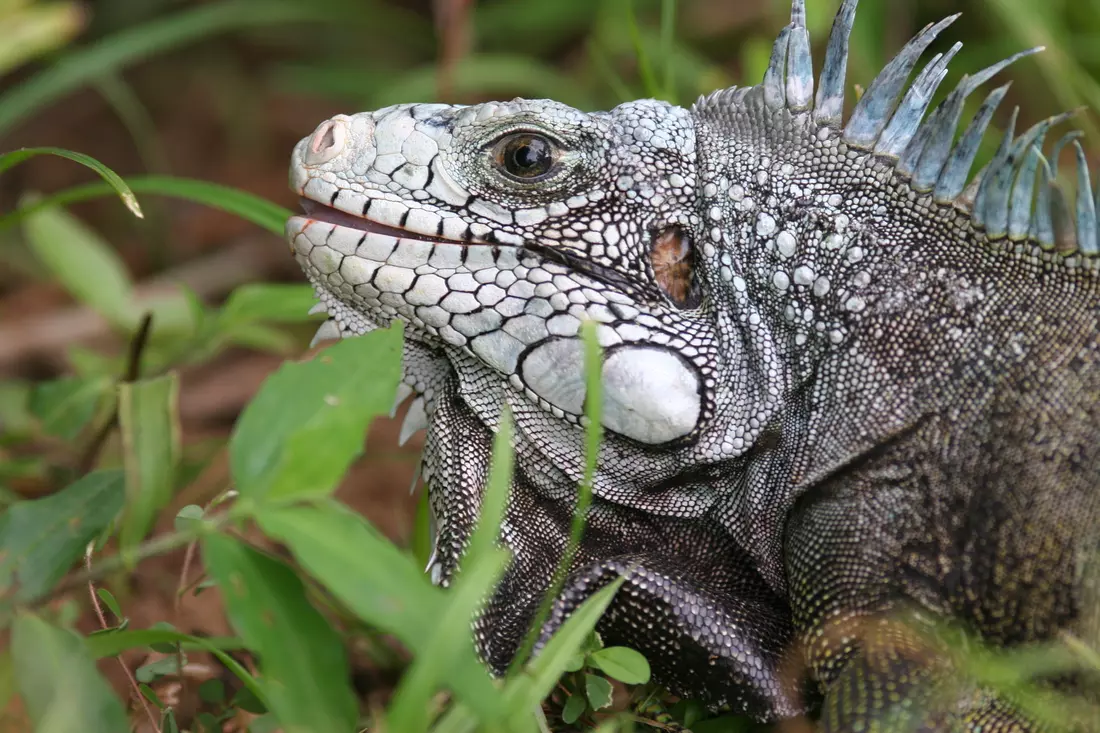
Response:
column 843, row 379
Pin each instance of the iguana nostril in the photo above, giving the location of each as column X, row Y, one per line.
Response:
column 326, row 142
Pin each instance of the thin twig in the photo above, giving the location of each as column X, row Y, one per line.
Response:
column 133, row 372
column 103, row 624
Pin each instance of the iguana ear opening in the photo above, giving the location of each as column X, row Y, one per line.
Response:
column 672, row 257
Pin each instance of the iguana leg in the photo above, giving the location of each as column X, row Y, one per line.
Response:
column 729, row 641
column 865, row 598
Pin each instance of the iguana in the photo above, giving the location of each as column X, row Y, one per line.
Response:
column 843, row 379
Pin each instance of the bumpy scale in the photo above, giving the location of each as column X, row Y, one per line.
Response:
column 845, row 382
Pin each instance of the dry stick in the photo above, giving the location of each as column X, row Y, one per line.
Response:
column 103, row 624
column 133, row 371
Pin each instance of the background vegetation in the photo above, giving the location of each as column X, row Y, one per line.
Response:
column 222, row 556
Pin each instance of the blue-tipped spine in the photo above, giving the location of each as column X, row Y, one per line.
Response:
column 875, row 109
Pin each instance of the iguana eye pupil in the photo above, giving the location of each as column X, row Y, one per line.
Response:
column 526, row 156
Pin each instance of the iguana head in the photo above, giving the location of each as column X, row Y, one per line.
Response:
column 493, row 231
column 723, row 251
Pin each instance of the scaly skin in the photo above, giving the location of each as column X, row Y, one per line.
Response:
column 840, row 385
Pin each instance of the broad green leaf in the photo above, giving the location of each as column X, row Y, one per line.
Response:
column 59, row 683
column 622, row 663
column 64, row 406
column 389, row 592
column 234, row 201
column 574, row 708
column 41, row 539
column 7, row 160
column 303, row 663
column 76, row 68
column 299, row 435
column 598, row 691
column 148, row 416
column 83, row 263
column 268, row 302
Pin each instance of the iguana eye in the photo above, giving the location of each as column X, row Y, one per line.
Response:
column 525, row 155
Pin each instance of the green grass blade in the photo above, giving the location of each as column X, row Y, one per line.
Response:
column 494, row 502
column 77, row 68
column 447, row 642
column 8, row 160
column 526, row 691
column 645, row 68
column 593, row 411
column 668, row 37
column 248, row 206
column 387, row 591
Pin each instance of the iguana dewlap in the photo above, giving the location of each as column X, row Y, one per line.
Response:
column 844, row 379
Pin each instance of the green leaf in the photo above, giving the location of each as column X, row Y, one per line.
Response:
column 164, row 666
column 389, row 592
column 64, row 406
column 148, row 416
column 574, row 709
column 7, row 160
column 247, row 206
column 113, row 642
column 40, row 540
column 268, row 302
column 149, row 694
column 598, row 691
column 108, row 600
column 83, row 263
column 59, row 683
column 304, row 667
column 622, row 663
column 186, row 517
column 575, row 664
column 212, row 691
column 298, row 436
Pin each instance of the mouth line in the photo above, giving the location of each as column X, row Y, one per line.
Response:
column 330, row 215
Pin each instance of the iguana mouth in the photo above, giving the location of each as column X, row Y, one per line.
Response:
column 331, row 215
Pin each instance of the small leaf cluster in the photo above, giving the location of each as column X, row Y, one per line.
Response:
column 588, row 690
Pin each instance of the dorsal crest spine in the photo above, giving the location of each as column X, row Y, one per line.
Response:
column 1017, row 196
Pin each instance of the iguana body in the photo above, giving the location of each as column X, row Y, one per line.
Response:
column 839, row 384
